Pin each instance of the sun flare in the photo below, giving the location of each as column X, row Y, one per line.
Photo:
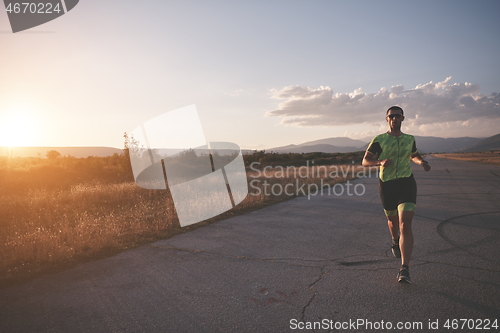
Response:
column 18, row 127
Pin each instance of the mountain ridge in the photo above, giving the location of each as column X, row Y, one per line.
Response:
column 426, row 144
column 490, row 143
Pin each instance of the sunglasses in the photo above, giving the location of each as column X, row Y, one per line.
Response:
column 394, row 115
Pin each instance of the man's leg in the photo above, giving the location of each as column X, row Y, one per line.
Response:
column 406, row 236
column 406, row 211
column 393, row 224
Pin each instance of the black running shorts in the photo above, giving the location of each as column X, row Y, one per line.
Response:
column 398, row 194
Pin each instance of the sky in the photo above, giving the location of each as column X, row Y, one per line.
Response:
column 262, row 74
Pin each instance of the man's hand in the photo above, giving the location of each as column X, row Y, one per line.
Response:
column 386, row 163
column 418, row 159
column 426, row 165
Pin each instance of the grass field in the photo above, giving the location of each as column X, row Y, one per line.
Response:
column 481, row 157
column 56, row 213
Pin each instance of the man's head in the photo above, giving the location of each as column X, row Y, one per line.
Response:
column 395, row 116
column 394, row 109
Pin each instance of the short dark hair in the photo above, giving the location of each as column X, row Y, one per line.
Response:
column 395, row 108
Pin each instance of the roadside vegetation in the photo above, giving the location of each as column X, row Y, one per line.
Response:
column 486, row 157
column 58, row 211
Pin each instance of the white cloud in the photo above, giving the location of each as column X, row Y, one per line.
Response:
column 477, row 127
column 234, row 93
column 428, row 107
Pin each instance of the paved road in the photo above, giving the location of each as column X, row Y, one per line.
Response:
column 301, row 260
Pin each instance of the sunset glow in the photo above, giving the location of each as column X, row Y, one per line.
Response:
column 18, row 127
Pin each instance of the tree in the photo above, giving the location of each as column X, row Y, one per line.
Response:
column 53, row 154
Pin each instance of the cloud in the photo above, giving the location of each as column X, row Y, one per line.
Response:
column 234, row 93
column 424, row 105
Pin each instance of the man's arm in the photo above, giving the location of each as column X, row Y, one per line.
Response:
column 418, row 159
column 370, row 159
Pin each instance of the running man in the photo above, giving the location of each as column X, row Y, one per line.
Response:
column 392, row 151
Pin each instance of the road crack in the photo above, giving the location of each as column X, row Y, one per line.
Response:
column 311, row 287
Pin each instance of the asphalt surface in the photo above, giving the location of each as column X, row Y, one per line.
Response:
column 323, row 260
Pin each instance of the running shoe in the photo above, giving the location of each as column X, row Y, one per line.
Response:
column 404, row 275
column 395, row 248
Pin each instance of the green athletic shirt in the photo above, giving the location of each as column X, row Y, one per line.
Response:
column 399, row 148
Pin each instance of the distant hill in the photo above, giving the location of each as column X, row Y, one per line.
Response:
column 328, row 145
column 65, row 151
column 432, row 144
column 426, row 144
column 338, row 141
column 491, row 143
column 324, row 148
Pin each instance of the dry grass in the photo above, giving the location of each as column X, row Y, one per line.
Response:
column 41, row 228
column 481, row 157
column 46, row 228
